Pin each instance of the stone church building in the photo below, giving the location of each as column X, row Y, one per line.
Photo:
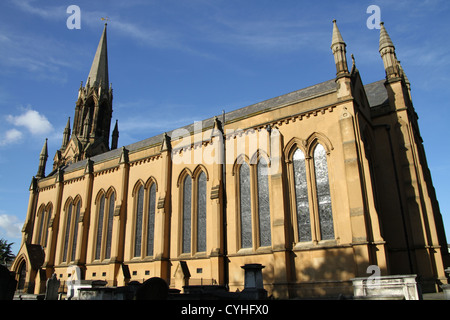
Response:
column 316, row 185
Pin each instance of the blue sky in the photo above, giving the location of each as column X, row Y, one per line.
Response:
column 172, row 62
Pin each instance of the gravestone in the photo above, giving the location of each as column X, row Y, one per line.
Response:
column 75, row 282
column 53, row 284
column 153, row 289
column 74, row 273
column 8, row 284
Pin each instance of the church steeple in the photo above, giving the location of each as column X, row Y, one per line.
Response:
column 98, row 75
column 93, row 110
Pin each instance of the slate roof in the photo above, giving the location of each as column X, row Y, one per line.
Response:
column 376, row 94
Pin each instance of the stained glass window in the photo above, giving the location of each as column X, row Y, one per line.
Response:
column 323, row 193
column 138, row 230
column 245, row 206
column 66, row 239
column 49, row 217
column 101, row 213
column 201, row 213
column 263, row 203
column 151, row 220
column 187, row 191
column 41, row 215
column 109, row 225
column 301, row 196
column 75, row 230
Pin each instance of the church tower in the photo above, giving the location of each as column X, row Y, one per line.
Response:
column 93, row 112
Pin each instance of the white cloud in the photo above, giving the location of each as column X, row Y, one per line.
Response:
column 53, row 13
column 11, row 136
column 33, row 121
column 10, row 226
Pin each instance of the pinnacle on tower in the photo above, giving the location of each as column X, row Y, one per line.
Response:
column 387, row 52
column 42, row 161
column 115, row 137
column 66, row 135
column 385, row 40
column 338, row 47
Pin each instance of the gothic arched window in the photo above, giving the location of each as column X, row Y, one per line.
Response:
column 41, row 219
column 139, row 216
column 201, row 212
column 311, row 204
column 47, row 226
column 186, row 233
column 323, row 193
column 301, row 196
column 67, row 230
column 245, row 206
column 100, row 215
column 151, row 219
column 262, row 180
column 109, row 226
column 75, row 229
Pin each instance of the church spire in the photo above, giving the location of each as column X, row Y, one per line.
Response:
column 338, row 47
column 387, row 52
column 90, row 134
column 98, row 75
column 42, row 161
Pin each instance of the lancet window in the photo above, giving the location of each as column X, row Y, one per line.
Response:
column 139, row 216
column 151, row 220
column 310, row 188
column 193, row 212
column 72, row 216
column 245, row 209
column 44, row 215
column 254, row 204
column 145, row 215
column 104, row 226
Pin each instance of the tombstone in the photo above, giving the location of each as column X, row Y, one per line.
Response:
column 53, row 284
column 253, row 285
column 8, row 284
column 74, row 282
column 74, row 273
column 153, row 289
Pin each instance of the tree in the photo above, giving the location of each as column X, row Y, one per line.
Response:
column 5, row 252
